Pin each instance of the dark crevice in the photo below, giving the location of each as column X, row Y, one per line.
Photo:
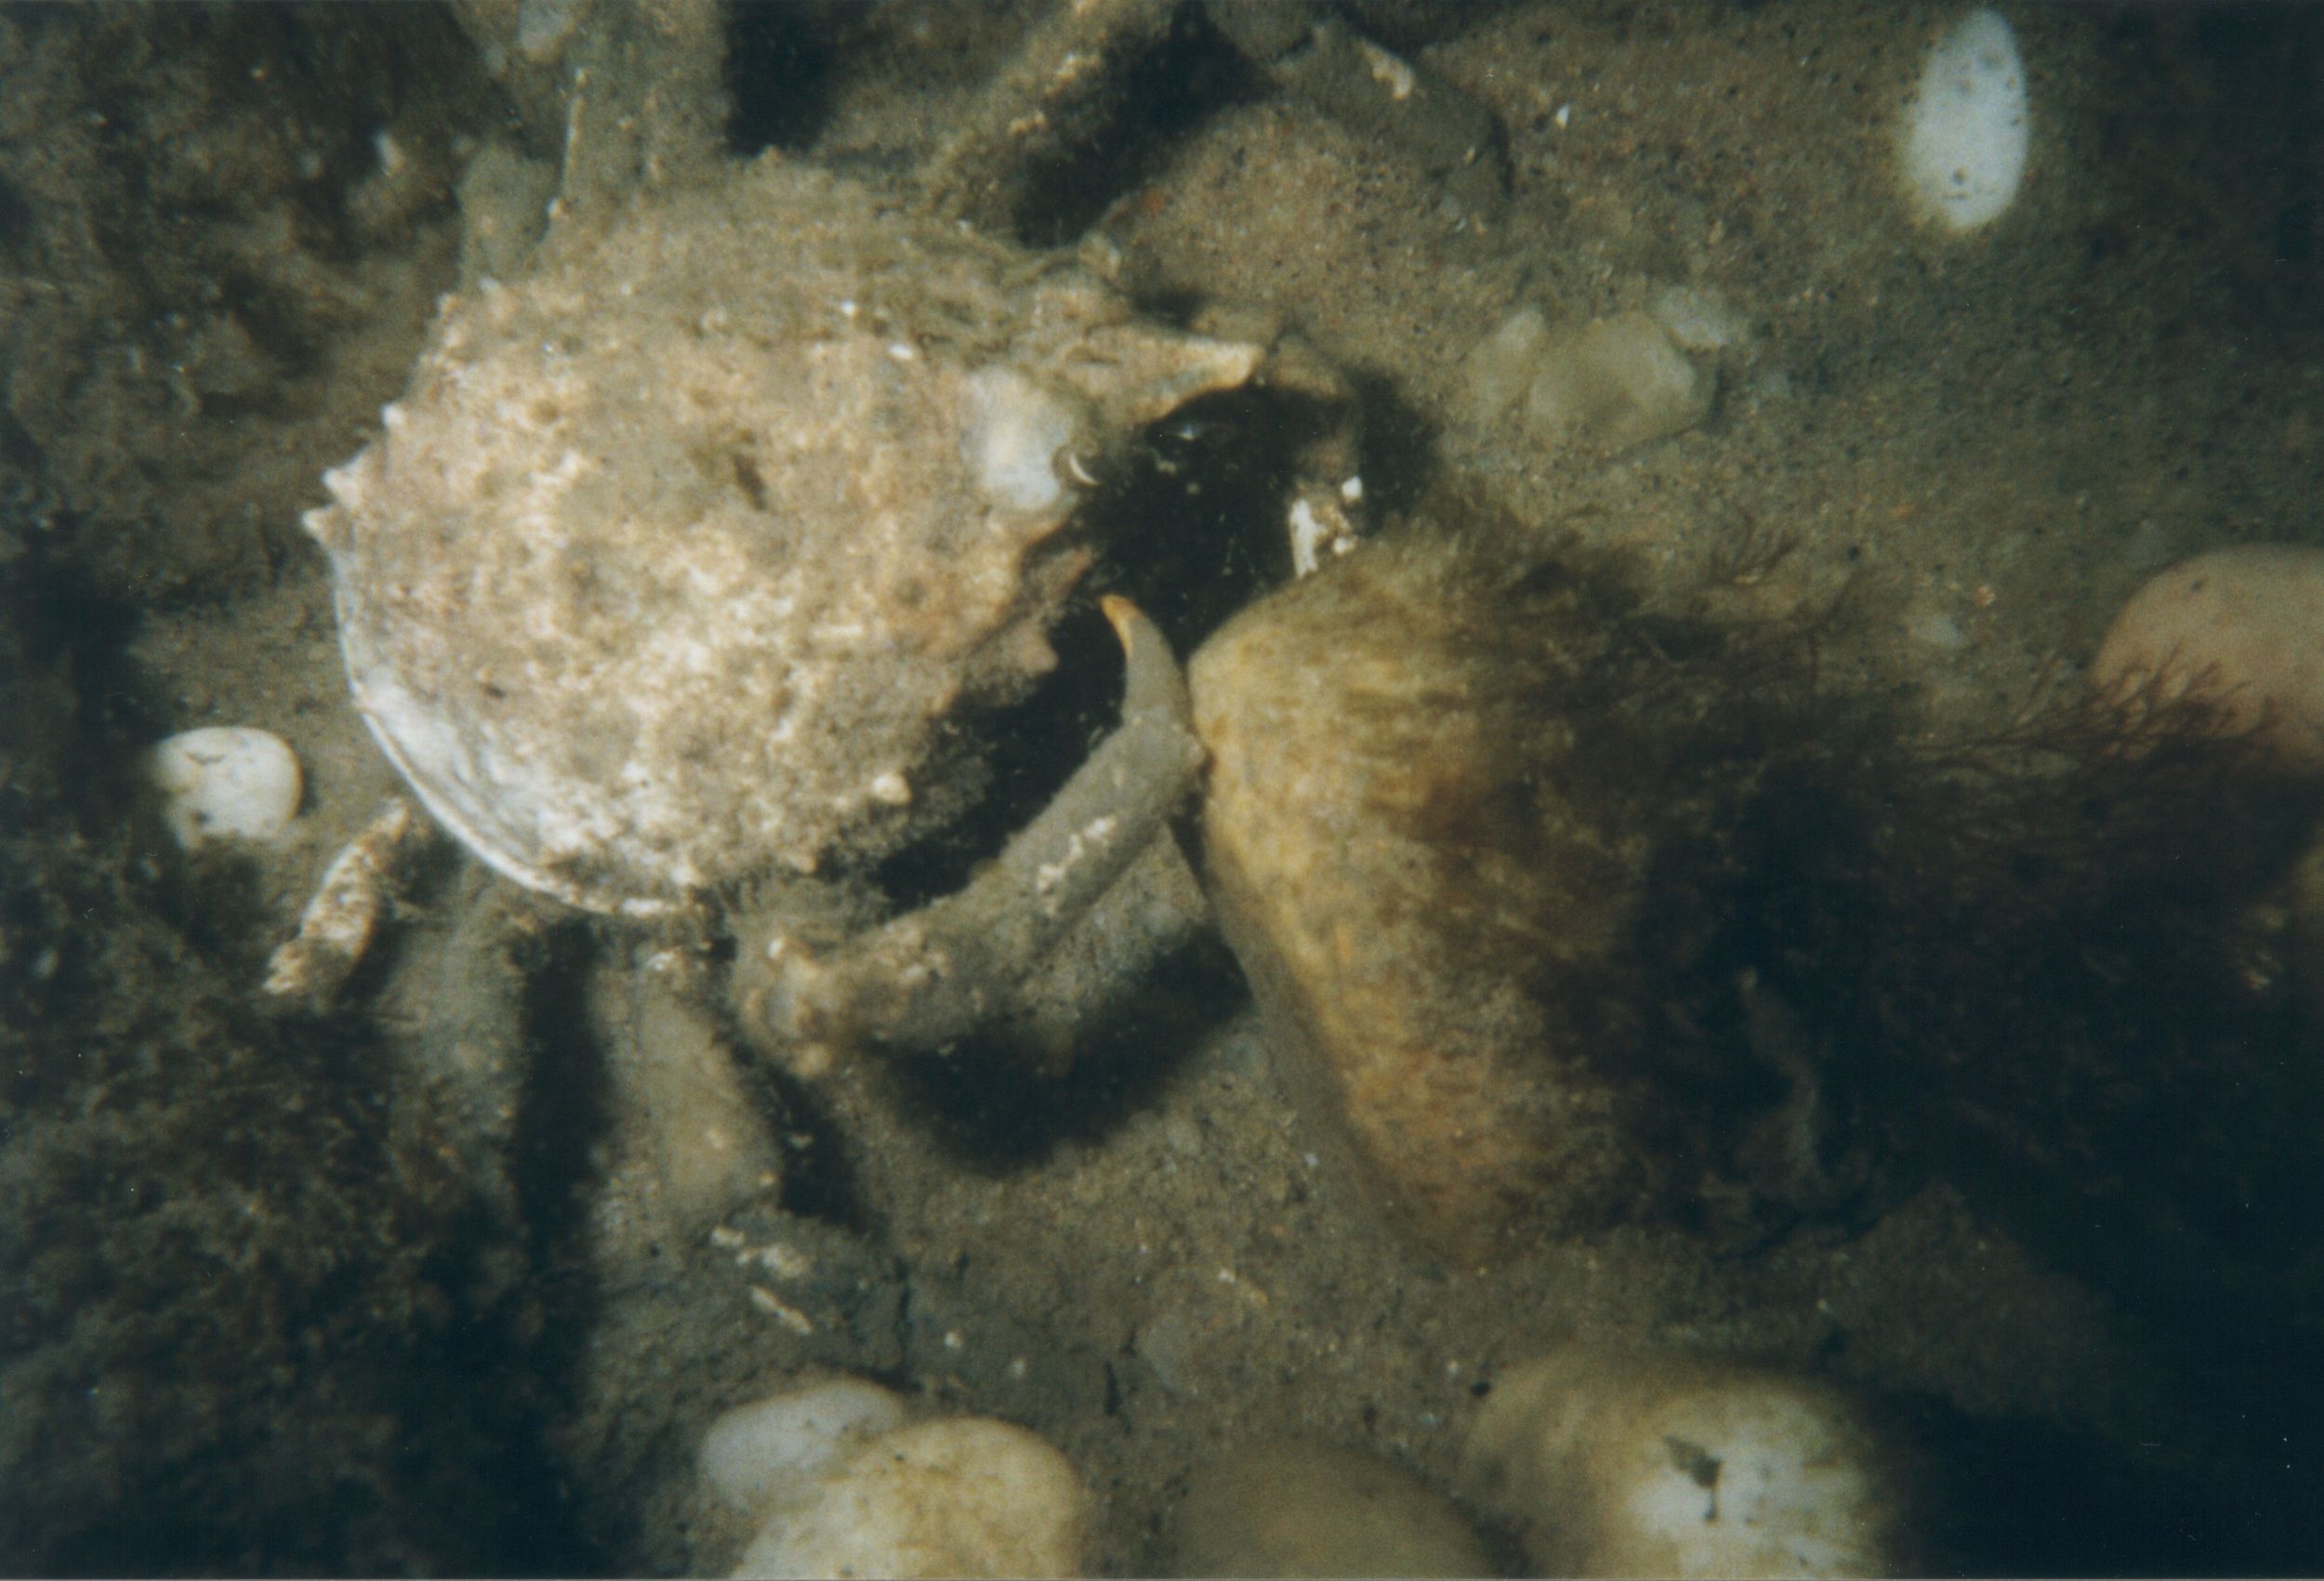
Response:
column 996, row 1110
column 1190, row 526
column 781, row 57
column 1190, row 75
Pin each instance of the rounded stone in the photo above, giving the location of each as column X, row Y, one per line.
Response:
column 2239, row 634
column 1963, row 144
column 1627, row 1463
column 1434, row 928
column 755, row 1452
column 226, row 782
column 965, row 1496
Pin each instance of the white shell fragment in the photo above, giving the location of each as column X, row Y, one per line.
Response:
column 226, row 782
column 1961, row 153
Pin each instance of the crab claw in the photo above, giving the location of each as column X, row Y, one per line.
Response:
column 928, row 977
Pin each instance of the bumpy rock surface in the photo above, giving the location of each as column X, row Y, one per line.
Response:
column 679, row 558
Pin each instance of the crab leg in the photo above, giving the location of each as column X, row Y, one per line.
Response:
column 928, row 977
column 337, row 926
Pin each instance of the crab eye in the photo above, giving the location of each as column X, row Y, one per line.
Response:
column 1018, row 439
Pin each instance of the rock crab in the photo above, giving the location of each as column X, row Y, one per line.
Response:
column 677, row 581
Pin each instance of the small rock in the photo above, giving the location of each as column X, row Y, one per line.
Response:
column 1698, row 320
column 2239, row 630
column 1609, row 1464
column 226, row 782
column 1962, row 143
column 1619, row 382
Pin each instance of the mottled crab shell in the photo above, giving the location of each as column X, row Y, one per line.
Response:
column 674, row 559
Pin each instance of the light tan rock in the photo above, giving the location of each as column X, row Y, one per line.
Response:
column 1312, row 1509
column 1608, row 384
column 1624, row 1464
column 2238, row 631
column 965, row 1496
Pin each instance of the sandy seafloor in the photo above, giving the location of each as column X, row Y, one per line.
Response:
column 272, row 1301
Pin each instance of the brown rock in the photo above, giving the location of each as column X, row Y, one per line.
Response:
column 1435, row 931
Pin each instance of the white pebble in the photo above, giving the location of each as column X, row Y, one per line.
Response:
column 226, row 782
column 960, row 1497
column 754, row 1452
column 1964, row 139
